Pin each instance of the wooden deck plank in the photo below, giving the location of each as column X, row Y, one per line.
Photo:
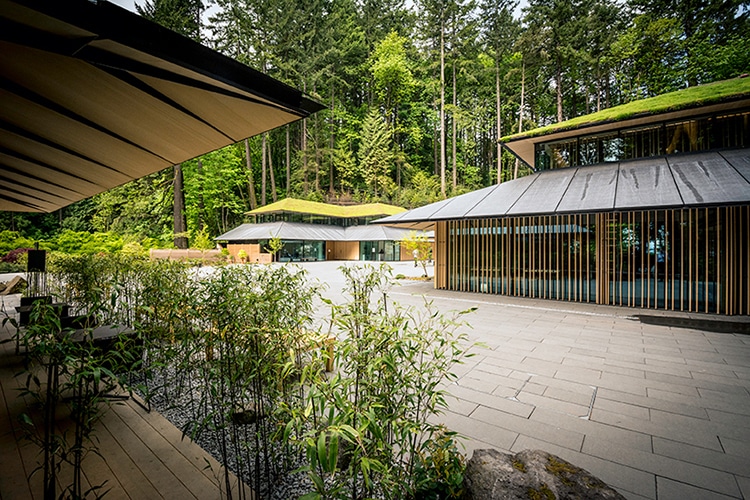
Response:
column 188, row 449
column 18, row 456
column 124, row 479
column 178, row 454
column 142, row 454
column 147, row 458
column 96, row 467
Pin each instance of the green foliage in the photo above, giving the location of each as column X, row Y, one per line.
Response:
column 274, row 245
column 391, row 71
column 420, row 247
column 375, row 153
column 373, row 412
column 229, row 339
column 182, row 16
column 377, row 67
column 11, row 240
column 67, row 362
column 72, row 242
column 649, row 57
column 244, row 338
column 440, row 469
column 202, row 241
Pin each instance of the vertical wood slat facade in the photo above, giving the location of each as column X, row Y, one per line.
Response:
column 693, row 259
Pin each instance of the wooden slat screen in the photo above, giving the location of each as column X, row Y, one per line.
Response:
column 694, row 259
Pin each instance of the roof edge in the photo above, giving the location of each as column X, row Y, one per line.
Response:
column 713, row 93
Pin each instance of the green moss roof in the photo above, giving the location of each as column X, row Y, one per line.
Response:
column 328, row 210
column 701, row 95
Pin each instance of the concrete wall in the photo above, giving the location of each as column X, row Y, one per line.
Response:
column 189, row 254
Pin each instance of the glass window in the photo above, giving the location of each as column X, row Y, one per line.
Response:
column 715, row 132
column 557, row 154
column 380, row 251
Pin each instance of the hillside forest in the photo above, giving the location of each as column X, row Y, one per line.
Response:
column 417, row 93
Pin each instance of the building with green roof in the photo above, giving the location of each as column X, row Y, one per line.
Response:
column 313, row 231
column 642, row 205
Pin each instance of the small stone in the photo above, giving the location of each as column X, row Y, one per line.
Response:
column 530, row 475
column 246, row 416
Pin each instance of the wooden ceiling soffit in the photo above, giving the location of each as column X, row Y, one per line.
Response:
column 93, row 96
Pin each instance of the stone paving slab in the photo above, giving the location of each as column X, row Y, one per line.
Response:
column 632, row 483
column 667, row 488
column 669, row 407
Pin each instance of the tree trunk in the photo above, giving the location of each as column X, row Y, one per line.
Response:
column 288, row 163
column 498, row 123
column 442, row 109
column 453, row 123
column 332, row 143
column 270, row 171
column 305, row 186
column 201, row 201
column 558, row 81
column 263, row 171
column 180, row 221
column 317, row 149
column 250, row 178
column 520, row 112
column 435, row 150
column 598, row 88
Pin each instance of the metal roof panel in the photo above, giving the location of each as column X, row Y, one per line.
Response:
column 646, row 183
column 502, row 198
column 707, row 178
column 545, row 193
column 460, row 205
column 740, row 160
column 592, row 188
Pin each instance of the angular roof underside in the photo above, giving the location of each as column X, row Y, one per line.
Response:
column 676, row 181
column 327, row 210
column 93, row 96
column 312, row 232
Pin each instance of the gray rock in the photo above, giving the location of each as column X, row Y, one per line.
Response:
column 530, row 475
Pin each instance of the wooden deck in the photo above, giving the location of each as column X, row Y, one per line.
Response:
column 143, row 456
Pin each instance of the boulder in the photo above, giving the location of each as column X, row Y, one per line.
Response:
column 530, row 475
column 16, row 285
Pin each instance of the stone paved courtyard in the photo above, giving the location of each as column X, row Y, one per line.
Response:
column 658, row 412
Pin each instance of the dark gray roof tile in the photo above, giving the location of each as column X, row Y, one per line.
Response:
column 646, row 183
column 592, row 189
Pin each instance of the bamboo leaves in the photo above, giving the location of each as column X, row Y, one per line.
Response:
column 374, row 411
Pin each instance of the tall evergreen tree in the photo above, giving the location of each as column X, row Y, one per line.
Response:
column 706, row 27
column 182, row 16
column 499, row 34
column 375, row 154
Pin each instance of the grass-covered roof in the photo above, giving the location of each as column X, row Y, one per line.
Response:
column 328, row 210
column 691, row 97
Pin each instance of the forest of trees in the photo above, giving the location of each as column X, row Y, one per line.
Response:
column 417, row 94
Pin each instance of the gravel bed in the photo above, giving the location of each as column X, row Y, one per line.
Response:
column 184, row 409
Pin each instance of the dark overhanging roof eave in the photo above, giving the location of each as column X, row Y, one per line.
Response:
column 91, row 91
column 113, row 23
column 692, row 180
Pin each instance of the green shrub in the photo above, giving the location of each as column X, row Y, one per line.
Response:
column 11, row 240
column 12, row 267
column 202, row 241
column 82, row 242
column 391, row 361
